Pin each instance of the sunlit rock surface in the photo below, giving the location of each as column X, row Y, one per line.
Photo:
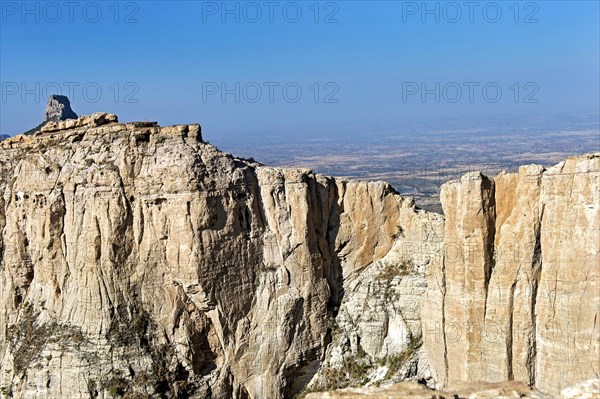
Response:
column 517, row 294
column 140, row 261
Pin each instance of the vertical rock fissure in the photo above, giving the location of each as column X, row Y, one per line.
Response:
column 335, row 278
column 489, row 207
column 262, row 217
column 444, row 321
column 509, row 333
column 536, row 276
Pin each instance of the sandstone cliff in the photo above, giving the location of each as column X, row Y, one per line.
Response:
column 517, row 292
column 140, row 261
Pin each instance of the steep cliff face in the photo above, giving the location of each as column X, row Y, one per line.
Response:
column 377, row 332
column 140, row 261
column 517, row 293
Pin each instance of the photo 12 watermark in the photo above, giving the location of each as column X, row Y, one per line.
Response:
column 453, row 12
column 52, row 12
column 470, row 92
column 89, row 92
column 270, row 92
column 252, row 12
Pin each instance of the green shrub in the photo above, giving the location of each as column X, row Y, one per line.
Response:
column 391, row 270
column 28, row 338
column 6, row 391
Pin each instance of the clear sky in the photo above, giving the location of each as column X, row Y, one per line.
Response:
column 351, row 60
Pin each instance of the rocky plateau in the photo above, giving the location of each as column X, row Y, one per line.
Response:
column 139, row 261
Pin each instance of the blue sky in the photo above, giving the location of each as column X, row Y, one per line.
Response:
column 360, row 61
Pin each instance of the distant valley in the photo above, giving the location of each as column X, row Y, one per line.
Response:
column 417, row 156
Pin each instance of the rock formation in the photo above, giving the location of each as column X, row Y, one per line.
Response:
column 517, row 293
column 3, row 137
column 500, row 390
column 59, row 109
column 96, row 119
column 139, row 261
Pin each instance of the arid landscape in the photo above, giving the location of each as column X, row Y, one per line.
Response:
column 299, row 199
column 418, row 156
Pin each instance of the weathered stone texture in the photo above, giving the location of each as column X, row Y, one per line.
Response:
column 517, row 294
column 139, row 260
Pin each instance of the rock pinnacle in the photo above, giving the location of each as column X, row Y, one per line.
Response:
column 59, row 109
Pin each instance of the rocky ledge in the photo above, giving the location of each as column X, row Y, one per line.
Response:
column 503, row 390
column 94, row 120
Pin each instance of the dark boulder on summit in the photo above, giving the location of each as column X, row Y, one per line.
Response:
column 59, row 109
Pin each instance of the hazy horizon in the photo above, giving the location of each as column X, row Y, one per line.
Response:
column 244, row 67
